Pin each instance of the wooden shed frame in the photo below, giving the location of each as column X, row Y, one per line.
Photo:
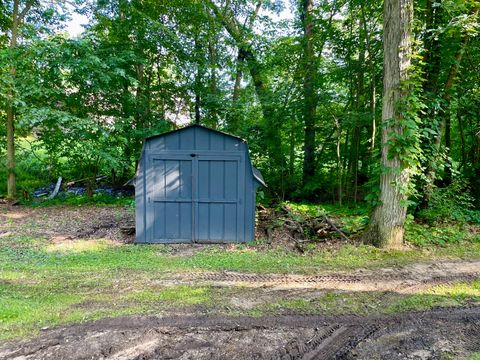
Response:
column 195, row 185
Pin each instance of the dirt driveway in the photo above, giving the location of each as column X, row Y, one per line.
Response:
column 438, row 334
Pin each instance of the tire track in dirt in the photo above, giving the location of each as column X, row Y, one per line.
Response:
column 335, row 337
column 400, row 283
column 143, row 347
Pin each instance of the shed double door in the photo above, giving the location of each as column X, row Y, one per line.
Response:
column 195, row 198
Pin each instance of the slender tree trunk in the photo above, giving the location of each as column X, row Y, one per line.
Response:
column 233, row 118
column 310, row 102
column 11, row 180
column 238, row 77
column 360, row 108
column 462, row 138
column 371, row 67
column 291, row 157
column 197, row 108
column 262, row 89
column 386, row 227
column 444, row 116
column 198, row 81
column 212, row 57
column 140, row 103
column 476, row 166
column 432, row 56
column 447, row 179
column 339, row 161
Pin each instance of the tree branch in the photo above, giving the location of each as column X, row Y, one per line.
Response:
column 25, row 10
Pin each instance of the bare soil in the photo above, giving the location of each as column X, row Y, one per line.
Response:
column 408, row 279
column 416, row 335
column 60, row 223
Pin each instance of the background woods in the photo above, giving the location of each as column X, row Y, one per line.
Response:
column 302, row 81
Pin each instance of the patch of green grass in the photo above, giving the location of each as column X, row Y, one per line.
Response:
column 459, row 291
column 332, row 303
column 475, row 356
column 376, row 302
column 178, row 295
column 96, row 256
column 25, row 308
column 419, row 302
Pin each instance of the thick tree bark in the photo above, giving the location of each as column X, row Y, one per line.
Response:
column 309, row 96
column 386, row 227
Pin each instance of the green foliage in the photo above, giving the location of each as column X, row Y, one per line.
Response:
column 353, row 217
column 439, row 234
column 448, row 204
column 100, row 199
column 33, row 168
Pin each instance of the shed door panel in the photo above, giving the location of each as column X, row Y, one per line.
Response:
column 219, row 209
column 170, row 200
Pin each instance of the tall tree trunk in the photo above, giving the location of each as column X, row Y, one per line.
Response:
column 386, row 227
column 432, row 56
column 447, row 179
column 198, row 81
column 17, row 18
column 309, row 96
column 371, row 67
column 444, row 116
column 262, row 89
column 462, row 139
column 359, row 109
column 233, row 118
column 213, row 65
column 11, row 180
column 339, row 161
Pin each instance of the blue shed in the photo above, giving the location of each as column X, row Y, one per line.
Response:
column 195, row 184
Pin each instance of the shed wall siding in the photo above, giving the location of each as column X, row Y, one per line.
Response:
column 223, row 206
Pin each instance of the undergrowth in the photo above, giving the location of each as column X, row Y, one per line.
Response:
column 100, row 199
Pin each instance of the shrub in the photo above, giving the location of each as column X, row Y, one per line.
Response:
column 450, row 204
column 439, row 234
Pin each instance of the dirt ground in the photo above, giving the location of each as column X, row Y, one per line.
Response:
column 444, row 333
column 59, row 223
column 439, row 334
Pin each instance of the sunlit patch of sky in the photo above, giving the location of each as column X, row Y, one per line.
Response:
column 75, row 25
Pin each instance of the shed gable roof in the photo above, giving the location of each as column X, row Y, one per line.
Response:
column 195, row 126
